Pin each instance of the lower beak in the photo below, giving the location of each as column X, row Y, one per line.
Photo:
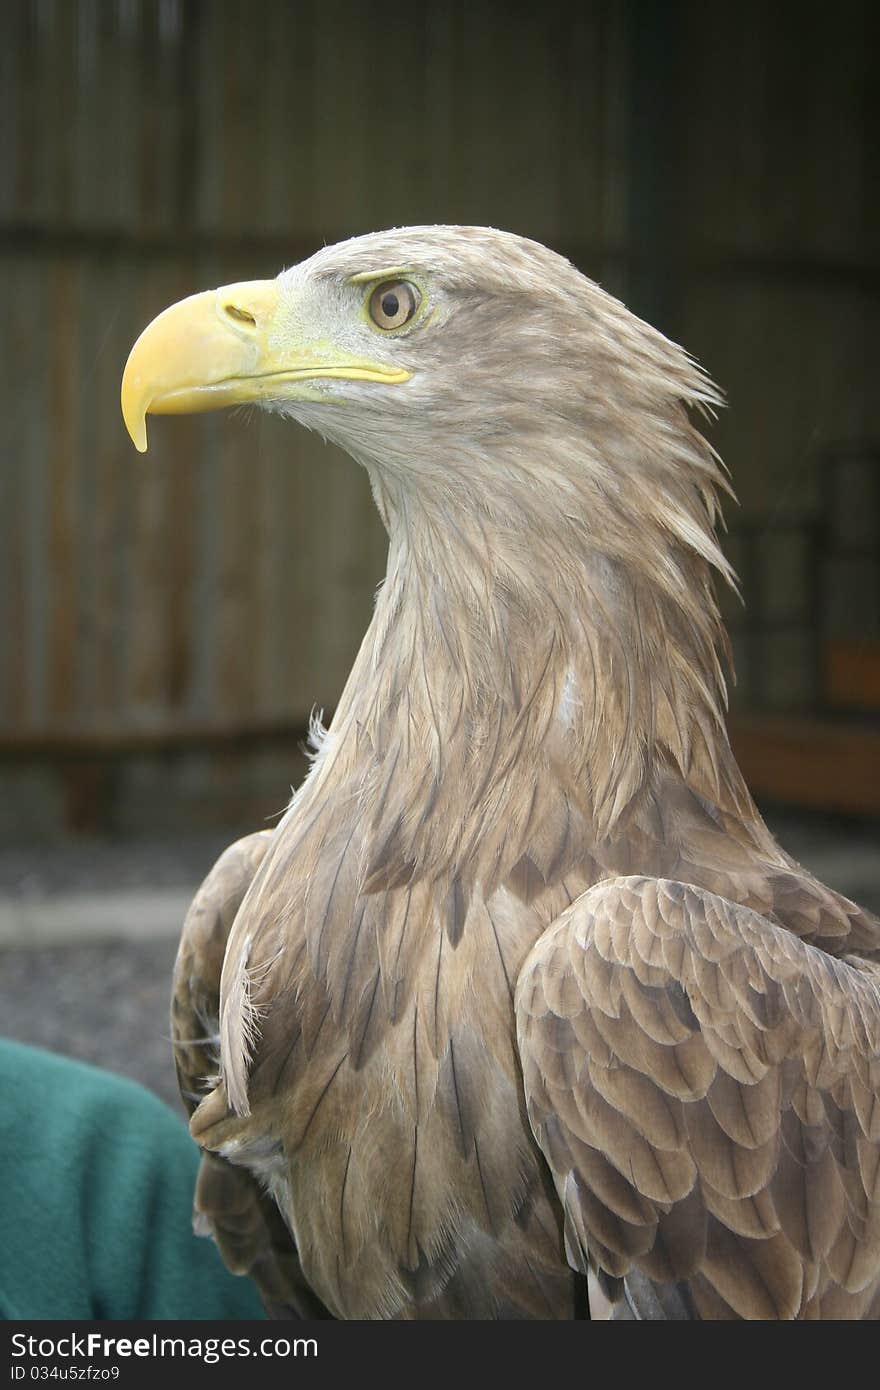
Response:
column 223, row 348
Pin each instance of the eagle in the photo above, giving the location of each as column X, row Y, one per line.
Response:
column 520, row 998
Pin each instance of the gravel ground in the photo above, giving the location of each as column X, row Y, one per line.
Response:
column 103, row 1001
column 77, row 866
column 106, row 1001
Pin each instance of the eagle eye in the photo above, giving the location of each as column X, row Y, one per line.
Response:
column 393, row 304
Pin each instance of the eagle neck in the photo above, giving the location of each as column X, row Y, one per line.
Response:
column 504, row 671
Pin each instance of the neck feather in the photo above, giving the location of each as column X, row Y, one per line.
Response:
column 527, row 666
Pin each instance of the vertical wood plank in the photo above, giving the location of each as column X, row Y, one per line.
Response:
column 63, row 407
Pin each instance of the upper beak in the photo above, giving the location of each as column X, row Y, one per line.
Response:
column 224, row 347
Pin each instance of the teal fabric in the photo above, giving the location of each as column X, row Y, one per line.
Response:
column 96, row 1197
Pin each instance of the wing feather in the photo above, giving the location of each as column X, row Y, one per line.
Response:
column 229, row 1204
column 705, row 1087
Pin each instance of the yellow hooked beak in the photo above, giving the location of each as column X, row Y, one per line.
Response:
column 226, row 347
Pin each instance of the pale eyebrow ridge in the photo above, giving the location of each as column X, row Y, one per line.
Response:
column 363, row 277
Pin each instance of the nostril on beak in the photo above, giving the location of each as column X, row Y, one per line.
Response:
column 239, row 315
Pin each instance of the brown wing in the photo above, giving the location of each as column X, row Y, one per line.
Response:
column 229, row 1204
column 706, row 1089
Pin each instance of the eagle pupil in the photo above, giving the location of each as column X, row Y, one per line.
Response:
column 390, row 305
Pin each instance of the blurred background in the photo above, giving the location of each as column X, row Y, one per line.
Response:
column 168, row 623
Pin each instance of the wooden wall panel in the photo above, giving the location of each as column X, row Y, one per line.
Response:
column 796, row 362
column 149, row 148
column 780, row 140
